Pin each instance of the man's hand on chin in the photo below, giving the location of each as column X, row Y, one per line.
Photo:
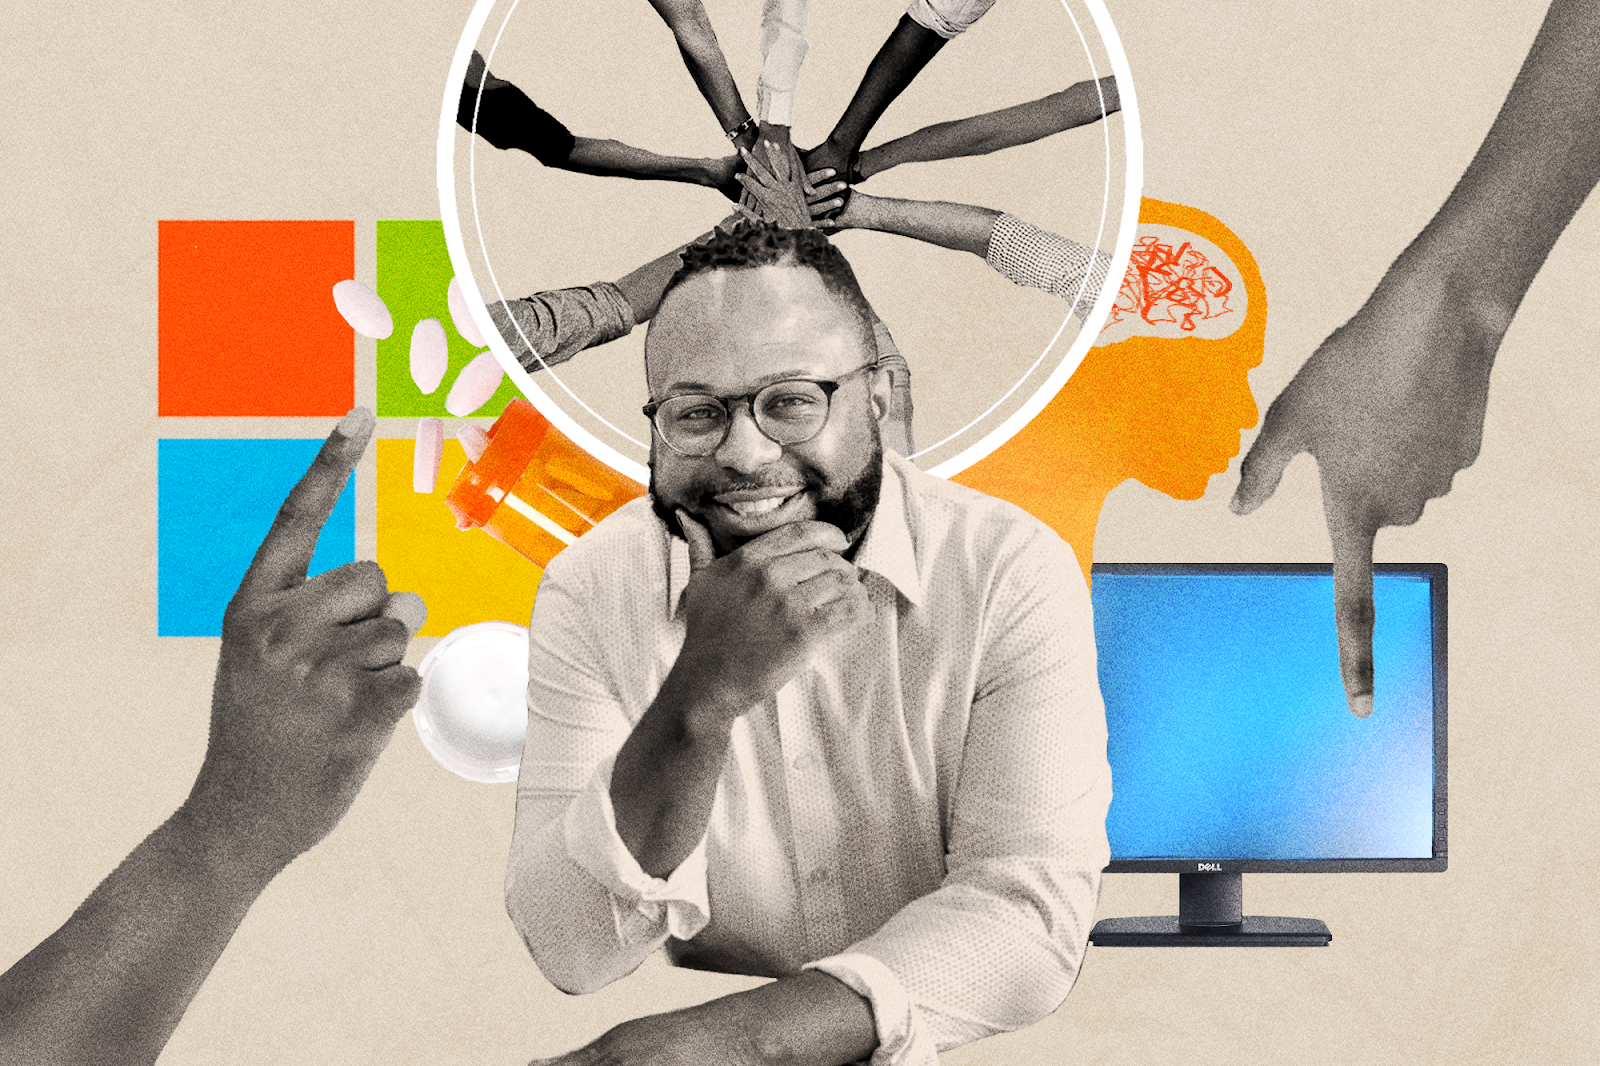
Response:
column 755, row 615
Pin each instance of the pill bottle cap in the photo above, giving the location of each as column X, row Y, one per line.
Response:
column 514, row 440
column 472, row 712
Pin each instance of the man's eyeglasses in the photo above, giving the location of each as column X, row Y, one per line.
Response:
column 788, row 412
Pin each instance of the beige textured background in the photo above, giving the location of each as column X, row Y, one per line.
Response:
column 1324, row 135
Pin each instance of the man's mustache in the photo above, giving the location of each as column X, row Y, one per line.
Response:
column 778, row 479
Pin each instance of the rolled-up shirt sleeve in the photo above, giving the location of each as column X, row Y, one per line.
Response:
column 998, row 944
column 1039, row 259
column 586, row 910
column 948, row 18
column 783, row 50
column 548, row 328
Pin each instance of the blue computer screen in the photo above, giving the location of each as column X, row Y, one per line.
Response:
column 1229, row 735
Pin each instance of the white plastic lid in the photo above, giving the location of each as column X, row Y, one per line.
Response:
column 473, row 714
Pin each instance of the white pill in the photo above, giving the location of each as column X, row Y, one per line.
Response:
column 430, row 354
column 474, row 441
column 428, row 455
column 363, row 309
column 474, row 386
column 461, row 317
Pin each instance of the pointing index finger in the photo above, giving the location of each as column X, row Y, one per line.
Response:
column 285, row 554
column 1263, row 465
column 1353, row 609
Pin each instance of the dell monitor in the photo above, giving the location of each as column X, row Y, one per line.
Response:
column 1233, row 750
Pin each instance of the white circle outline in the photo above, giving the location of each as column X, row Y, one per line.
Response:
column 1133, row 187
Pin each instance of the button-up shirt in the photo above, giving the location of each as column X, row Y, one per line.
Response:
column 920, row 812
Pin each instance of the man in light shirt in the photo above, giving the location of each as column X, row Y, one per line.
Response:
column 806, row 712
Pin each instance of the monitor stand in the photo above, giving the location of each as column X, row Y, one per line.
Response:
column 1210, row 915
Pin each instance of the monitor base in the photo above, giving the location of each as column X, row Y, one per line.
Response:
column 1254, row 931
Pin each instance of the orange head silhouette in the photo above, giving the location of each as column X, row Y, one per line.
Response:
column 1164, row 405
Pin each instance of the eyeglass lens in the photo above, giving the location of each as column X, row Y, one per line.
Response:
column 788, row 412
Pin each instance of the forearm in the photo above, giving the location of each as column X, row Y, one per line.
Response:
column 609, row 158
column 1024, row 254
column 665, row 777
column 1538, row 163
column 995, row 949
column 598, row 878
column 901, row 59
column 809, row 1019
column 503, row 115
column 1078, row 105
column 962, row 227
column 586, row 911
column 999, row 944
column 716, row 84
column 113, row 982
column 702, row 55
column 643, row 287
column 581, row 920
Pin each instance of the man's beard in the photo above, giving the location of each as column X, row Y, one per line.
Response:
column 850, row 509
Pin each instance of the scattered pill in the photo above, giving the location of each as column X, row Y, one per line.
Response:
column 429, row 453
column 474, row 441
column 363, row 309
column 461, row 316
column 474, row 386
column 430, row 354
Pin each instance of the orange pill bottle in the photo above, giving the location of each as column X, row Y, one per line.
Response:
column 533, row 488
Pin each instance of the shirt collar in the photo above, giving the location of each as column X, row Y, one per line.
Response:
column 887, row 549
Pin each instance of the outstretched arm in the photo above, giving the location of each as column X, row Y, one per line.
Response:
column 960, row 227
column 783, row 50
column 549, row 328
column 612, row 159
column 697, row 41
column 902, row 57
column 1021, row 252
column 503, row 115
column 1077, row 105
column 309, row 687
column 1392, row 403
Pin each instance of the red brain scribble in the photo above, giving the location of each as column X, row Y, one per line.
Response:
column 1164, row 284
